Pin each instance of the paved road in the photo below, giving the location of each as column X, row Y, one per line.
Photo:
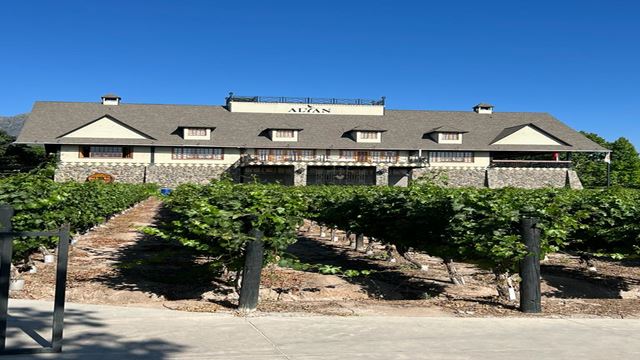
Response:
column 109, row 332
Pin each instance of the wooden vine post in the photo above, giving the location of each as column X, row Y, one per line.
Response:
column 530, row 294
column 360, row 242
column 250, row 287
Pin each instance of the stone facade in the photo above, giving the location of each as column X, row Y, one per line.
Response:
column 163, row 175
column 527, row 178
column 128, row 173
column 495, row 178
column 452, row 177
column 169, row 175
column 300, row 174
column 174, row 175
column 382, row 175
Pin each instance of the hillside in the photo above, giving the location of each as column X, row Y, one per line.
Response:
column 12, row 124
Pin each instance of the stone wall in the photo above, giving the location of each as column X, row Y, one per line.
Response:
column 495, row 178
column 300, row 174
column 382, row 175
column 127, row 173
column 163, row 175
column 527, row 178
column 451, row 177
column 174, row 175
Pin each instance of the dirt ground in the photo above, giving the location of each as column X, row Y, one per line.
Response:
column 116, row 264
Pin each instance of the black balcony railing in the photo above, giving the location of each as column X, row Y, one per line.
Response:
column 531, row 164
column 303, row 100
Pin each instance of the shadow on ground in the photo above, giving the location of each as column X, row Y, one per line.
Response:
column 576, row 283
column 30, row 328
column 161, row 267
column 384, row 282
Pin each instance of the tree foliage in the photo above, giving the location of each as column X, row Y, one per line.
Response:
column 625, row 164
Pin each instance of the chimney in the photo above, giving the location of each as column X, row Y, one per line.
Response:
column 483, row 108
column 110, row 99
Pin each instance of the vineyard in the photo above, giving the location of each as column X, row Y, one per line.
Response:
column 477, row 226
column 42, row 204
column 414, row 225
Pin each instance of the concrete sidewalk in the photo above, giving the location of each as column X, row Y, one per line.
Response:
column 108, row 332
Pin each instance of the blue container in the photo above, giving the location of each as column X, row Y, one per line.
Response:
column 165, row 191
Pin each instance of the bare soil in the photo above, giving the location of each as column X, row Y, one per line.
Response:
column 117, row 264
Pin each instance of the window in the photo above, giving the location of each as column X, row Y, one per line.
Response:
column 369, row 135
column 285, row 155
column 285, row 134
column 450, row 136
column 451, row 157
column 106, row 152
column 384, row 156
column 193, row 153
column 347, row 155
column 197, row 132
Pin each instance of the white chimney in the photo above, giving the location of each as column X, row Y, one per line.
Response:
column 483, row 108
column 110, row 99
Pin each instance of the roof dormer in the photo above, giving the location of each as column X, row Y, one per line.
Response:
column 366, row 134
column 110, row 99
column 284, row 134
column 446, row 135
column 196, row 133
column 483, row 108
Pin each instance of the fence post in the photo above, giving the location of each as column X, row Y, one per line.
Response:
column 530, row 297
column 6, row 250
column 250, row 287
column 61, row 285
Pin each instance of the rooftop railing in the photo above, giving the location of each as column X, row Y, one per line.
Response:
column 303, row 100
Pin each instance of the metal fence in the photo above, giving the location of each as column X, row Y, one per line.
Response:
column 304, row 100
column 6, row 255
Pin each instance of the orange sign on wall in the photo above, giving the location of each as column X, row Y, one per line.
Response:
column 106, row 178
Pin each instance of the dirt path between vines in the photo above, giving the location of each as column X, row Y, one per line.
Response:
column 117, row 264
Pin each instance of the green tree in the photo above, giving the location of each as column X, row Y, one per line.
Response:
column 19, row 157
column 591, row 167
column 625, row 163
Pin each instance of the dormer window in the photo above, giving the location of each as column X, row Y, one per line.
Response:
column 446, row 135
column 196, row 133
column 369, row 136
column 284, row 134
column 450, row 136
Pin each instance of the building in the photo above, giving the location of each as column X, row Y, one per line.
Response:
column 298, row 141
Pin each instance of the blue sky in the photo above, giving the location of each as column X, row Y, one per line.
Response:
column 577, row 60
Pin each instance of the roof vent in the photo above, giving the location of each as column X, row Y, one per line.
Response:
column 483, row 108
column 110, row 99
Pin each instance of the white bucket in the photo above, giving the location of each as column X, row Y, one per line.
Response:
column 16, row 284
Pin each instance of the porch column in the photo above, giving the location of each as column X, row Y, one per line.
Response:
column 300, row 174
column 382, row 175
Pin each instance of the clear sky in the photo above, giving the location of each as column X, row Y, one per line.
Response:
column 578, row 60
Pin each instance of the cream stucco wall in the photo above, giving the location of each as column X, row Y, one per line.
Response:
column 316, row 109
column 480, row 159
column 71, row 154
column 163, row 155
column 105, row 128
column 527, row 136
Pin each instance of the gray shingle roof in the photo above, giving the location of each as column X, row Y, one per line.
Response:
column 405, row 128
